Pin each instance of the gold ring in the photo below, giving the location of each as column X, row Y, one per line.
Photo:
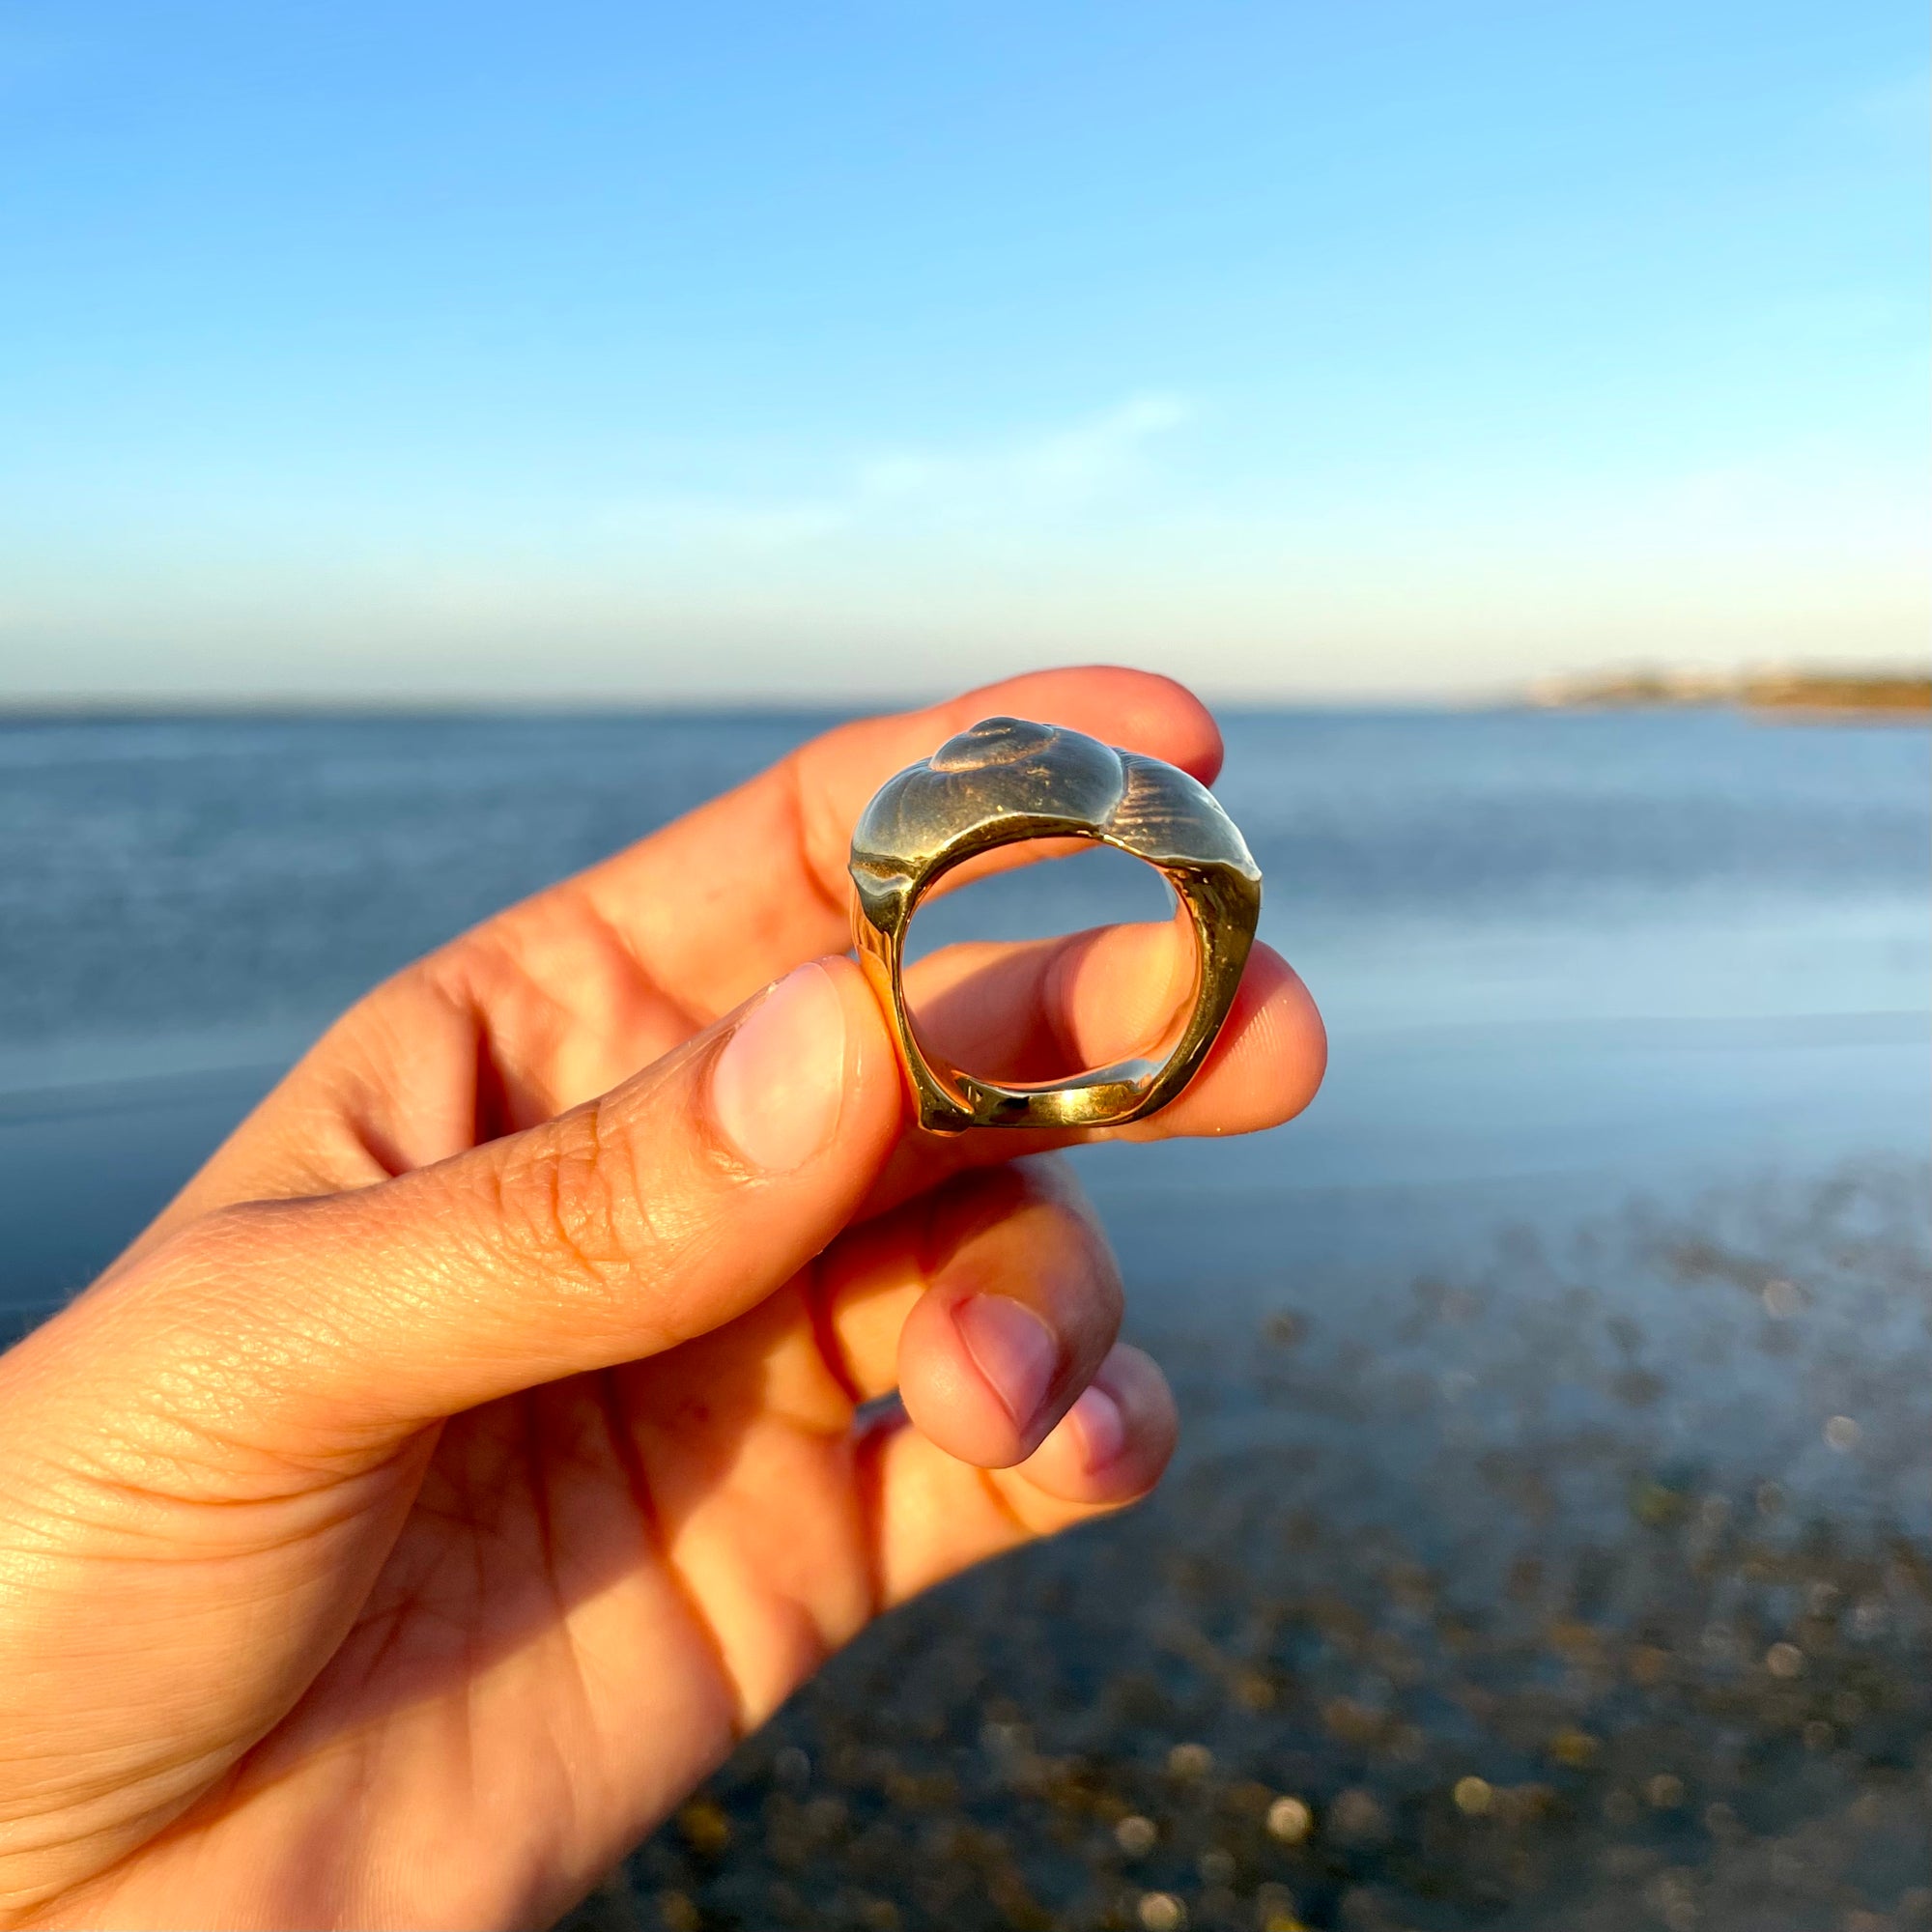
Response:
column 1007, row 780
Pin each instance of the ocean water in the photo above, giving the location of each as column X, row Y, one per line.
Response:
column 1560, row 956
column 1555, row 1391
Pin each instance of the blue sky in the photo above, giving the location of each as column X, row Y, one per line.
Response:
column 428, row 350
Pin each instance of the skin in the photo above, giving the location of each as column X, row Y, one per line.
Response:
column 467, row 1458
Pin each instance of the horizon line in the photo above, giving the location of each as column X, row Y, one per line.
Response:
column 86, row 709
column 1697, row 683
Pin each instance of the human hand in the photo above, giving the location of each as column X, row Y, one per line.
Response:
column 469, row 1457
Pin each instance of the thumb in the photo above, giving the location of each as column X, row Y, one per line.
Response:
column 618, row 1229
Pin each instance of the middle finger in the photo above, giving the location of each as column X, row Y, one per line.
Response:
column 1040, row 1010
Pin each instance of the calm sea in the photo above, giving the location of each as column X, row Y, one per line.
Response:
column 1560, row 955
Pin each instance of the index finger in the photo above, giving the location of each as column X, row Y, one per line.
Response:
column 743, row 888
column 565, row 996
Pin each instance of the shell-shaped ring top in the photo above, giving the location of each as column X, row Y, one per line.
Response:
column 1007, row 781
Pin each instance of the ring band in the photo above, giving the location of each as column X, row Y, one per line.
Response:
column 1003, row 783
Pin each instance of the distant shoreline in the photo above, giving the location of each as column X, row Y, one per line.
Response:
column 1829, row 697
column 1787, row 696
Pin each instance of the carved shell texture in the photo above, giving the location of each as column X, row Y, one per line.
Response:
column 1005, row 772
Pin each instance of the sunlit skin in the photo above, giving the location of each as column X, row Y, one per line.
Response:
column 469, row 1458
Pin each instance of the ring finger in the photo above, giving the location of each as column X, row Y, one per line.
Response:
column 988, row 1303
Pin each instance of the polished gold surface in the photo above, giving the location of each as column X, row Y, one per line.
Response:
column 1002, row 783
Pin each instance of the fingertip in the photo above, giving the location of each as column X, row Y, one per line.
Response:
column 1281, row 1030
column 939, row 1515
column 1139, row 710
column 1168, row 720
column 1099, row 1428
column 1017, row 1315
column 955, row 1351
column 1266, row 1067
column 1113, row 1445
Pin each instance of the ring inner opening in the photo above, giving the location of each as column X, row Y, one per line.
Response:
column 1052, row 967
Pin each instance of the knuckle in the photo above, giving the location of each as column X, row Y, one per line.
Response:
column 580, row 1204
column 564, row 1199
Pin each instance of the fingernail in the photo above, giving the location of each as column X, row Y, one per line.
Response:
column 779, row 1080
column 1013, row 1348
column 1102, row 1427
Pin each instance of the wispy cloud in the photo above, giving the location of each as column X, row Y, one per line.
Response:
column 1057, row 470
column 1064, row 468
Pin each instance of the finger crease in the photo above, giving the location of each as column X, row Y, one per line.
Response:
column 691, row 1019
column 825, row 1332
column 989, row 1480
column 650, row 1526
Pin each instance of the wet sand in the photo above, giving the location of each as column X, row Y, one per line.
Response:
column 1537, row 1614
